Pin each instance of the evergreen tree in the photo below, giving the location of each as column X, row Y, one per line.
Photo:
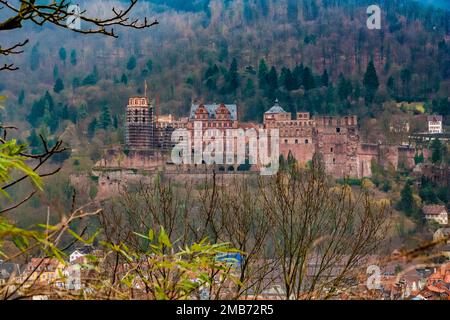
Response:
column 92, row 127
column 407, row 203
column 390, row 84
column 297, row 75
column 248, row 13
column 131, row 64
column 405, row 76
column 262, row 75
column 308, row 79
column 272, row 79
column 38, row 109
column 370, row 81
column 105, row 118
column 92, row 78
column 324, row 79
column 418, row 158
column 35, row 57
column 249, row 90
column 264, row 5
column 63, row 54
column 345, row 88
column 233, row 77
column 287, row 80
column 34, row 140
column 292, row 10
column 59, row 85
column 76, row 83
column 65, row 112
column 73, row 57
column 436, row 155
column 49, row 118
column 124, row 79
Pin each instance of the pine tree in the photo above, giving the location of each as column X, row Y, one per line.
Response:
column 73, row 57
column 324, row 79
column 286, row 79
column 436, row 155
column 35, row 57
column 233, row 77
column 124, row 79
column 249, row 89
column 34, row 140
column 49, row 118
column 63, row 54
column 292, row 10
column 65, row 112
column 407, row 203
column 262, row 75
column 248, row 13
column 92, row 127
column 272, row 79
column 370, row 81
column 308, row 79
column 59, row 85
column 131, row 64
column 345, row 87
column 105, row 118
column 92, row 78
column 297, row 75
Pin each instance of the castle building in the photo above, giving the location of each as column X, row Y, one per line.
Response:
column 213, row 116
column 336, row 139
column 139, row 124
column 165, row 125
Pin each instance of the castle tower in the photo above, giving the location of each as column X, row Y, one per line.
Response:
column 139, row 124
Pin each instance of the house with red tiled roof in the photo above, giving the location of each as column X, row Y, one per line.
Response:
column 436, row 213
column 438, row 284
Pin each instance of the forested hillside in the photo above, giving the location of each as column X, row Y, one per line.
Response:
column 313, row 55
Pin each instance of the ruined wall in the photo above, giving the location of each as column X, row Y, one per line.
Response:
column 136, row 159
column 338, row 143
column 302, row 152
column 367, row 153
column 111, row 183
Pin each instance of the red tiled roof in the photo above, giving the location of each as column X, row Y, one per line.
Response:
column 433, row 209
column 434, row 118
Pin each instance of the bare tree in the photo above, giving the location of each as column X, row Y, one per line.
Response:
column 58, row 13
column 321, row 232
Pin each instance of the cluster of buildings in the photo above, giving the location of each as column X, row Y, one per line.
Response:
column 417, row 282
column 337, row 139
column 43, row 275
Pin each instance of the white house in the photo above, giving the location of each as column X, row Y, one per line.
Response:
column 435, row 124
column 442, row 233
column 78, row 253
column 436, row 213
